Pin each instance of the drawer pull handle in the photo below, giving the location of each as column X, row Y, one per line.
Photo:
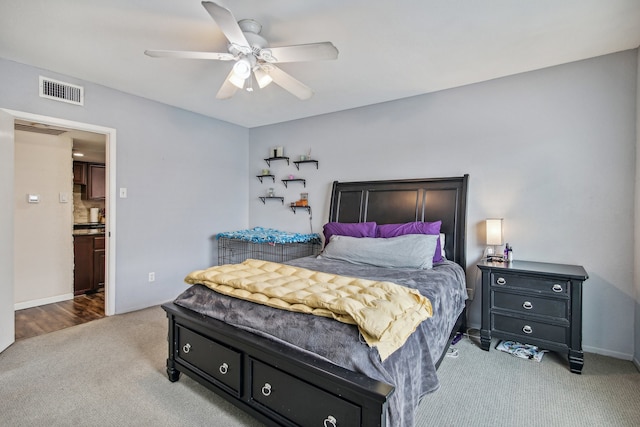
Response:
column 266, row 389
column 330, row 421
column 224, row 368
column 557, row 288
column 501, row 281
column 527, row 305
column 186, row 348
column 527, row 329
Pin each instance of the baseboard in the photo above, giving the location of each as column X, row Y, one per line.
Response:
column 610, row 353
column 42, row 301
column 637, row 363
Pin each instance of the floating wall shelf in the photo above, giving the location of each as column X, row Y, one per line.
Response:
column 302, row 180
column 271, row 159
column 264, row 198
column 273, row 177
column 294, row 208
column 298, row 162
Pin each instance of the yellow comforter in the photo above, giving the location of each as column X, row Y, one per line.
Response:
column 386, row 313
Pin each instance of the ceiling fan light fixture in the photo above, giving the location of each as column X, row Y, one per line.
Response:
column 242, row 68
column 262, row 77
column 236, row 81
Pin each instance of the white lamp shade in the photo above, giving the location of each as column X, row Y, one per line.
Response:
column 237, row 81
column 262, row 77
column 494, row 231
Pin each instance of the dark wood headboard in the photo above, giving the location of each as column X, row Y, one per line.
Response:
column 398, row 201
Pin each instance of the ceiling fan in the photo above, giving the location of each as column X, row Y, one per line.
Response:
column 252, row 54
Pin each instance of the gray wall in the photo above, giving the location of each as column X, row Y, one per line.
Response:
column 636, row 258
column 550, row 151
column 186, row 176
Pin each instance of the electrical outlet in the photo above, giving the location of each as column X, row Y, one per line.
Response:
column 152, row 277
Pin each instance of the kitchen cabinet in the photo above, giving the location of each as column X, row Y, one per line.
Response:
column 80, row 173
column 95, row 182
column 92, row 178
column 89, row 263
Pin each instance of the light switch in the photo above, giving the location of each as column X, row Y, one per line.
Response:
column 123, row 193
column 33, row 198
column 64, row 197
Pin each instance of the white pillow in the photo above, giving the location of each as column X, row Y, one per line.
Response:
column 444, row 255
column 408, row 251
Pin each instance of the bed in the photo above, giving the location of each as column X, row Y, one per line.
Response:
column 269, row 363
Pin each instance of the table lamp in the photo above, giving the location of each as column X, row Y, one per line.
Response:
column 494, row 238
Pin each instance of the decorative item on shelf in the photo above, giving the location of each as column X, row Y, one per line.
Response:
column 300, row 204
column 305, row 158
column 291, row 177
column 271, row 192
column 494, row 238
column 266, row 175
column 279, row 151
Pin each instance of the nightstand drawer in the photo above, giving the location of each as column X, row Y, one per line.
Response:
column 529, row 304
column 530, row 329
column 530, row 283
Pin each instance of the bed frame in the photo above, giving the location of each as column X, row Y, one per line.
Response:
column 244, row 368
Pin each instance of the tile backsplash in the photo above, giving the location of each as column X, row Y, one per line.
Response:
column 81, row 207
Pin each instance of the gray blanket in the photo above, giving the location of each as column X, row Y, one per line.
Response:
column 411, row 369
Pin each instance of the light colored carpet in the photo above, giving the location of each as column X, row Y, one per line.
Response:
column 481, row 388
column 111, row 372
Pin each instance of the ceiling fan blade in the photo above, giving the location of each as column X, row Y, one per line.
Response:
column 290, row 84
column 189, row 55
column 303, row 52
column 228, row 89
column 227, row 23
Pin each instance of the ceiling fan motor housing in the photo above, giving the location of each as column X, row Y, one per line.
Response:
column 251, row 30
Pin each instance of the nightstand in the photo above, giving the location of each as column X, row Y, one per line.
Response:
column 534, row 303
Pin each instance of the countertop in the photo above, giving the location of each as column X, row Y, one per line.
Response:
column 88, row 229
column 89, row 232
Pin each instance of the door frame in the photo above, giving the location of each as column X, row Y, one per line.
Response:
column 110, row 202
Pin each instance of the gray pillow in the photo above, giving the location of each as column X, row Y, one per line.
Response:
column 408, row 251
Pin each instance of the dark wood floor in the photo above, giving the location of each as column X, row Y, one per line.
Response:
column 43, row 319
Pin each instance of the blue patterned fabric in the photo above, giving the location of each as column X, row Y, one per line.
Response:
column 270, row 235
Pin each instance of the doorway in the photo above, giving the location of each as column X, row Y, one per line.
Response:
column 110, row 144
column 59, row 276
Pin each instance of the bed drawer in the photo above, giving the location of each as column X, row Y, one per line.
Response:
column 528, row 304
column 528, row 329
column 217, row 361
column 552, row 286
column 285, row 395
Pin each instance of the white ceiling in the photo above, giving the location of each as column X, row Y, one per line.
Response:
column 388, row 50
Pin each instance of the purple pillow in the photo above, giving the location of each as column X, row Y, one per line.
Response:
column 351, row 229
column 394, row 230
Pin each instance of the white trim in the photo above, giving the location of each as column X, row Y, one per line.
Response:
column 110, row 133
column 614, row 354
column 637, row 363
column 42, row 301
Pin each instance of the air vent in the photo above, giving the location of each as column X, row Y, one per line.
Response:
column 61, row 91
